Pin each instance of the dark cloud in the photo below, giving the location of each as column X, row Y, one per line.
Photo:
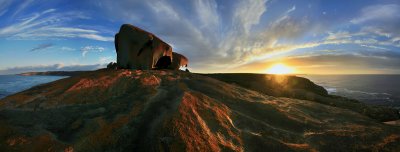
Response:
column 42, row 46
column 54, row 67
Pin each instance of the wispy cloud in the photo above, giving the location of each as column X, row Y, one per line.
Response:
column 248, row 13
column 50, row 24
column 378, row 12
column 23, row 5
column 4, row 4
column 26, row 23
column 382, row 21
column 88, row 49
column 65, row 48
column 213, row 34
column 42, row 46
column 207, row 12
column 96, row 37
column 106, row 59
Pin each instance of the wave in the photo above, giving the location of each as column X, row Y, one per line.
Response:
column 330, row 90
column 375, row 98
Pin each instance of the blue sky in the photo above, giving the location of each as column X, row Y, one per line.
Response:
column 313, row 36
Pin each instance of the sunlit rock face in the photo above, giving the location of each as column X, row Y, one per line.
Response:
column 178, row 60
column 139, row 49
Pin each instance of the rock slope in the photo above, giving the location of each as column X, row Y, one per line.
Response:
column 302, row 88
column 128, row 110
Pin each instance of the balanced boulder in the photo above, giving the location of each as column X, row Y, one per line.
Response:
column 139, row 49
column 178, row 60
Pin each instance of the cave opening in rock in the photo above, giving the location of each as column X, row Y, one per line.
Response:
column 163, row 62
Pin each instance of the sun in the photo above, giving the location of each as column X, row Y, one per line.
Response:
column 280, row 68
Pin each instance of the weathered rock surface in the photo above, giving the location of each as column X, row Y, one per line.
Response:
column 302, row 88
column 178, row 60
column 128, row 110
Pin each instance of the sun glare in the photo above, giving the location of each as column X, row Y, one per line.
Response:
column 280, row 69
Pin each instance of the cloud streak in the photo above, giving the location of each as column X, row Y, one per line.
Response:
column 50, row 24
column 378, row 12
column 4, row 4
column 88, row 49
column 42, row 46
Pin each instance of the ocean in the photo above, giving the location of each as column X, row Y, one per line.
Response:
column 10, row 84
column 370, row 89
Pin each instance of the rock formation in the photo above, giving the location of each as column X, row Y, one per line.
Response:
column 178, row 60
column 112, row 65
column 139, row 49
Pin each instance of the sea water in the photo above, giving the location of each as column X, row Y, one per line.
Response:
column 371, row 89
column 10, row 84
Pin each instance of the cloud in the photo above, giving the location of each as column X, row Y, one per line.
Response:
column 349, row 63
column 42, row 46
column 378, row 13
column 22, row 6
column 25, row 24
column 374, row 47
column 361, row 62
column 64, row 48
column 248, row 13
column 220, row 35
column 208, row 32
column 263, row 44
column 382, row 21
column 107, row 59
column 213, row 34
column 50, row 24
column 88, row 49
column 96, row 37
column 4, row 4
column 207, row 12
column 53, row 67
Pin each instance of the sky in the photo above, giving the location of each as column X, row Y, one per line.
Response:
column 246, row 36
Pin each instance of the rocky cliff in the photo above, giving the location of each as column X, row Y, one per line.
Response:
column 128, row 110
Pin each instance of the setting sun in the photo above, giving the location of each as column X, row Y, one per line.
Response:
column 280, row 69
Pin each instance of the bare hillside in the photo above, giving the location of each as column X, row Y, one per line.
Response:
column 128, row 110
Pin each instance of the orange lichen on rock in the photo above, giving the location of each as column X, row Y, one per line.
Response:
column 102, row 82
column 151, row 81
column 301, row 147
column 387, row 140
column 198, row 131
